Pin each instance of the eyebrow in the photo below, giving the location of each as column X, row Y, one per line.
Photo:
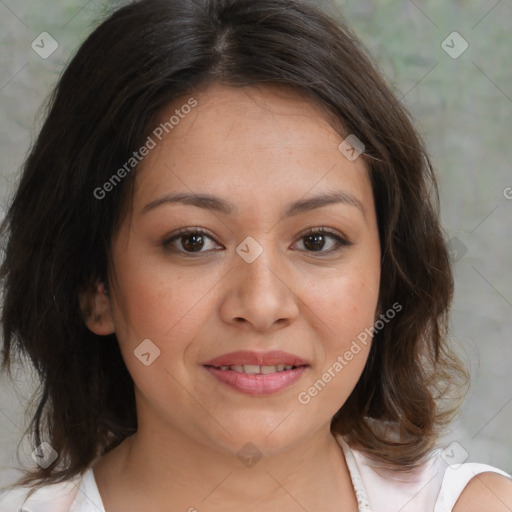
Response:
column 209, row 202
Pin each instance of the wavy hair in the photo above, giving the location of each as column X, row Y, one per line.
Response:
column 57, row 236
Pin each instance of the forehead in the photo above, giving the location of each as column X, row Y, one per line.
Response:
column 248, row 140
column 269, row 115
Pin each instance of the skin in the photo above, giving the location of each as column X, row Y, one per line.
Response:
column 486, row 492
column 259, row 148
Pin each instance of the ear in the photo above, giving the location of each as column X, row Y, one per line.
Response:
column 97, row 310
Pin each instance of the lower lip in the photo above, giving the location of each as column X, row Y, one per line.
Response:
column 257, row 384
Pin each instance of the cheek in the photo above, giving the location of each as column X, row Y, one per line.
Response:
column 345, row 315
column 147, row 292
column 343, row 309
column 344, row 305
column 161, row 303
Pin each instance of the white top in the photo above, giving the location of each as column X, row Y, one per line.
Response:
column 433, row 487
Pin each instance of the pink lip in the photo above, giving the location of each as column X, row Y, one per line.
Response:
column 257, row 384
column 270, row 358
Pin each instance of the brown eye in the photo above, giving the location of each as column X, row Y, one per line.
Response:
column 193, row 242
column 188, row 241
column 316, row 240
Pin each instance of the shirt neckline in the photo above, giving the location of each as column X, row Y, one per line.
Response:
column 363, row 503
column 90, row 490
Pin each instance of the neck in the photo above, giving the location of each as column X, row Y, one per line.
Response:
column 174, row 468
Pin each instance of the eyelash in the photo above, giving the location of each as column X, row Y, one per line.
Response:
column 184, row 232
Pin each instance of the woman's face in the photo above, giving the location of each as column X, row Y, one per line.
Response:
column 255, row 279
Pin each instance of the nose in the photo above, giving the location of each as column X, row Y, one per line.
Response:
column 259, row 295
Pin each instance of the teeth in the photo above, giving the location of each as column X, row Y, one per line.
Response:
column 253, row 369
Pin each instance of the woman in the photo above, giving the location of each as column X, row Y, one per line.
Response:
column 225, row 264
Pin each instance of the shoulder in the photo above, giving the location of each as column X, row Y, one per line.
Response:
column 386, row 488
column 486, row 492
column 432, row 486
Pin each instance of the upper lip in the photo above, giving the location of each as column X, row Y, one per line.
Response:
column 271, row 358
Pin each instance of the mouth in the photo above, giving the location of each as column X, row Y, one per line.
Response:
column 255, row 373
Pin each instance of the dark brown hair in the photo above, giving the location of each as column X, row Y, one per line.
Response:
column 58, row 234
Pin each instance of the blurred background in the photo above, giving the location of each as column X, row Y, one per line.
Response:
column 450, row 63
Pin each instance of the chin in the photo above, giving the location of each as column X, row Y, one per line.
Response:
column 268, row 440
